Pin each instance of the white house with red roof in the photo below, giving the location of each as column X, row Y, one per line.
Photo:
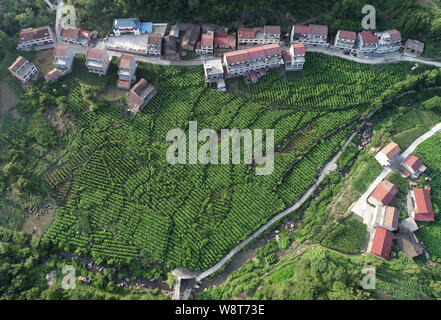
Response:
column 422, row 208
column 63, row 58
column 313, row 35
column 388, row 217
column 97, row 61
column 382, row 243
column 76, row 36
column 383, row 194
column 140, row 94
column 295, row 58
column 259, row 35
column 225, row 41
column 345, row 40
column 206, row 45
column 388, row 154
column 23, row 70
column 126, row 71
column 241, row 62
column 37, row 38
column 412, row 167
column 388, row 41
column 367, row 43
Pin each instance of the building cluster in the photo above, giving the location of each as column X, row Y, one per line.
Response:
column 36, row 39
column 386, row 217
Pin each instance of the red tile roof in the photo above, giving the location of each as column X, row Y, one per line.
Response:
column 256, row 53
column 302, row 29
column 349, row 35
column 385, row 192
column 404, row 171
column 286, row 56
column 197, row 46
column 17, row 64
column 33, row 34
column 51, row 75
column 252, row 53
column 96, row 54
column 368, row 37
column 71, row 33
column 382, row 243
column 271, row 29
column 391, row 150
column 254, row 75
column 246, row 33
column 60, row 51
column 318, row 29
column 125, row 61
column 391, row 217
column 225, row 40
column 299, row 48
column 123, row 83
column 272, row 49
column 395, row 35
column 423, row 205
column 207, row 39
column 413, row 162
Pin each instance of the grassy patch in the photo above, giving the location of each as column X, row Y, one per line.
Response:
column 368, row 174
column 348, row 237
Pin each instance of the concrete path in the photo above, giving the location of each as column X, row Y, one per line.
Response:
column 58, row 18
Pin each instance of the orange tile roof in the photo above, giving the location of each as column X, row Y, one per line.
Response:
column 385, row 192
column 391, row 150
column 382, row 243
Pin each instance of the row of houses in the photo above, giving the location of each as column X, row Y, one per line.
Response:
column 419, row 205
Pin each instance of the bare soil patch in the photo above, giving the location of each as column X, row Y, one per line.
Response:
column 36, row 223
column 8, row 99
column 58, row 121
column 44, row 61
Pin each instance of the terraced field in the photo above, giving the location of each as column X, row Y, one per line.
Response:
column 119, row 200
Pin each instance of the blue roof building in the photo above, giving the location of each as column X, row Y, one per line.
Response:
column 130, row 25
column 146, row 27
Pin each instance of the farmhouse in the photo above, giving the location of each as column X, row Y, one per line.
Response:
column 213, row 70
column 154, row 44
column 367, row 43
column 259, row 35
column 412, row 167
column 383, row 194
column 382, row 242
column 126, row 71
column 140, row 95
column 388, row 217
column 413, row 47
column 124, row 26
column 345, row 40
column 97, row 61
column 241, row 62
column 76, row 36
column 53, row 75
column 170, row 48
column 388, row 41
column 191, row 36
column 388, row 154
column 63, row 58
column 409, row 244
column 314, row 35
column 295, row 59
column 23, row 70
column 37, row 38
column 225, row 41
column 206, row 45
column 421, row 205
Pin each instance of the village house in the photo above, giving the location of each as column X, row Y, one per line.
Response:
column 206, row 45
column 76, row 36
column 213, row 70
column 36, row 38
column 388, row 217
column 421, row 205
column 345, row 40
column 53, row 75
column 313, row 35
column 383, row 194
column 140, row 94
column 241, row 62
column 126, row 71
column 388, row 41
column 409, row 244
column 388, row 154
column 367, row 43
column 154, row 44
column 171, row 48
column 225, row 41
column 63, row 58
column 259, row 35
column 295, row 58
column 382, row 242
column 126, row 26
column 412, row 167
column 413, row 48
column 191, row 36
column 23, row 70
column 97, row 61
